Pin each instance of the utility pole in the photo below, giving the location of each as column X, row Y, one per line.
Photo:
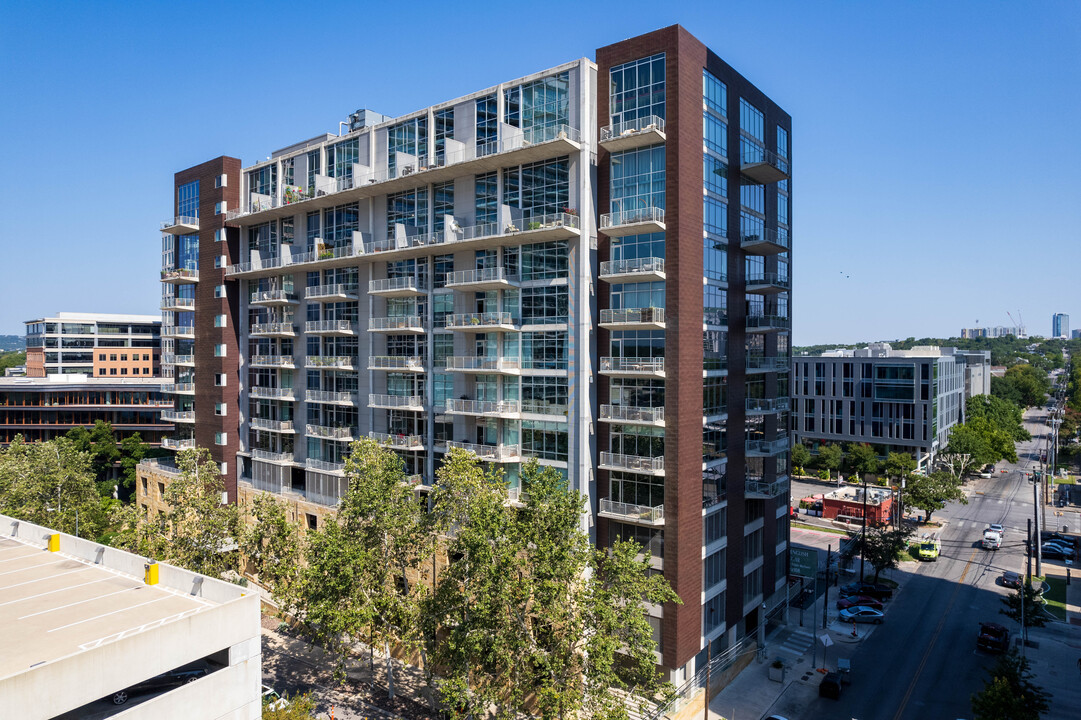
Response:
column 1038, row 537
column 1028, row 552
column 709, row 659
column 863, row 535
column 826, row 594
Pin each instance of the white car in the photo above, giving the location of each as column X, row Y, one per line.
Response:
column 272, row 700
column 997, row 528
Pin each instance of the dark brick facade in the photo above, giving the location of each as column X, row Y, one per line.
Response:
column 686, row 58
column 207, row 365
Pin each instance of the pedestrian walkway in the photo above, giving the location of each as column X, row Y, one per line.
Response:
column 793, row 643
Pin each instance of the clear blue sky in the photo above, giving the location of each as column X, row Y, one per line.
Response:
column 935, row 150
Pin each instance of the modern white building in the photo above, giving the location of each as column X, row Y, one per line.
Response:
column 110, row 345
column 895, row 400
column 82, row 621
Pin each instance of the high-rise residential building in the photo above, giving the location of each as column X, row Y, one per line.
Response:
column 1060, row 325
column 96, row 344
column 895, row 400
column 200, row 316
column 589, row 266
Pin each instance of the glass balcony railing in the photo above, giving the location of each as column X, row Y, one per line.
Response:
column 767, row 405
column 180, row 275
column 768, row 323
column 651, row 125
column 175, row 416
column 281, row 426
column 396, row 402
column 490, row 453
column 469, row 363
column 767, row 448
column 759, row 488
column 329, row 432
column 178, row 304
column 330, row 362
column 398, row 441
column 767, row 282
column 765, row 241
column 767, row 364
column 485, row 408
column 633, row 366
column 633, row 415
column 181, row 388
column 178, row 443
column 181, row 225
column 629, row 317
column 396, row 363
column 761, row 165
column 178, row 331
column 647, row 267
column 632, row 513
column 324, row 466
column 333, row 397
column 401, row 323
column 632, row 463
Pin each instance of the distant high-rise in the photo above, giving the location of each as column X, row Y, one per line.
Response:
column 1060, row 325
column 94, row 344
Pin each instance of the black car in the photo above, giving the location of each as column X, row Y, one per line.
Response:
column 830, row 687
column 165, row 681
column 879, row 592
column 1011, row 579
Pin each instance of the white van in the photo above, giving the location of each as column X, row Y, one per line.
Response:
column 992, row 540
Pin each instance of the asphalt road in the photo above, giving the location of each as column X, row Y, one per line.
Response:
column 922, row 662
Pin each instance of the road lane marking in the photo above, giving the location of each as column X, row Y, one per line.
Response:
column 934, row 639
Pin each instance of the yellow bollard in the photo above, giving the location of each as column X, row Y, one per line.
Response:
column 150, row 577
column 54, row 542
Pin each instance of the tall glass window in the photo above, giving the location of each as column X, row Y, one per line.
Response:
column 636, row 89
column 541, row 103
column 714, row 93
column 444, row 128
column 341, row 157
column 264, row 180
column 487, row 121
column 638, row 179
column 187, row 199
column 539, row 188
column 442, row 203
column 410, row 137
column 487, row 192
column 339, row 223
column 752, row 132
column 409, row 207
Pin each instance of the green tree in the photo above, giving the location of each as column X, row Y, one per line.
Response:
column 271, row 545
column 50, row 484
column 10, row 360
column 1033, row 609
column 800, row 457
column 883, row 547
column 1002, row 414
column 300, row 707
column 100, row 443
column 198, row 530
column 829, row 457
column 931, row 492
column 860, row 459
column 898, row 465
column 528, row 607
column 1010, row 693
column 132, row 452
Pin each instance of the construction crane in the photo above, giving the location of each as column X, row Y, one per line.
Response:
column 1019, row 324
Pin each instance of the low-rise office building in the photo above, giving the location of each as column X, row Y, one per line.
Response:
column 86, row 625
column 895, row 400
column 97, row 344
column 42, row 409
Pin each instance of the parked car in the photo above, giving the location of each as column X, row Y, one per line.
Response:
column 1056, row 552
column 880, row 592
column 997, row 527
column 1011, row 579
column 862, row 613
column 830, row 687
column 856, row 600
column 929, row 550
column 993, row 638
column 165, row 681
column 1061, row 539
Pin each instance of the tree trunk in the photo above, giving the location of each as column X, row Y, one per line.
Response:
column 390, row 671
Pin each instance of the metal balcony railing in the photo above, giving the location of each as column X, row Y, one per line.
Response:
column 175, row 303
column 180, row 275
column 767, row 405
column 336, row 397
column 632, row 414
column 331, row 432
column 186, row 223
column 330, row 362
column 479, row 321
column 396, row 362
column 766, row 489
column 541, row 407
column 633, row 513
column 273, row 328
column 631, row 365
column 324, row 465
column 634, row 216
column 339, row 290
column 339, row 327
column 753, row 157
column 771, row 279
column 271, row 393
column 650, row 123
column 633, row 463
column 181, row 331
column 186, row 416
column 483, row 275
column 273, row 296
column 397, row 284
column 183, row 388
column 273, row 360
column 765, row 241
column 401, row 322
column 767, row 364
column 283, row 426
column 768, row 322
column 271, row 456
column 633, row 266
column 398, row 441
column 492, row 453
column 767, row 448
column 178, row 443
column 403, row 402
column 633, row 316
column 483, row 407
column 470, row 363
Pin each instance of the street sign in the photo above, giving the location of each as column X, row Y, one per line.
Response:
column 826, row 640
column 804, row 561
